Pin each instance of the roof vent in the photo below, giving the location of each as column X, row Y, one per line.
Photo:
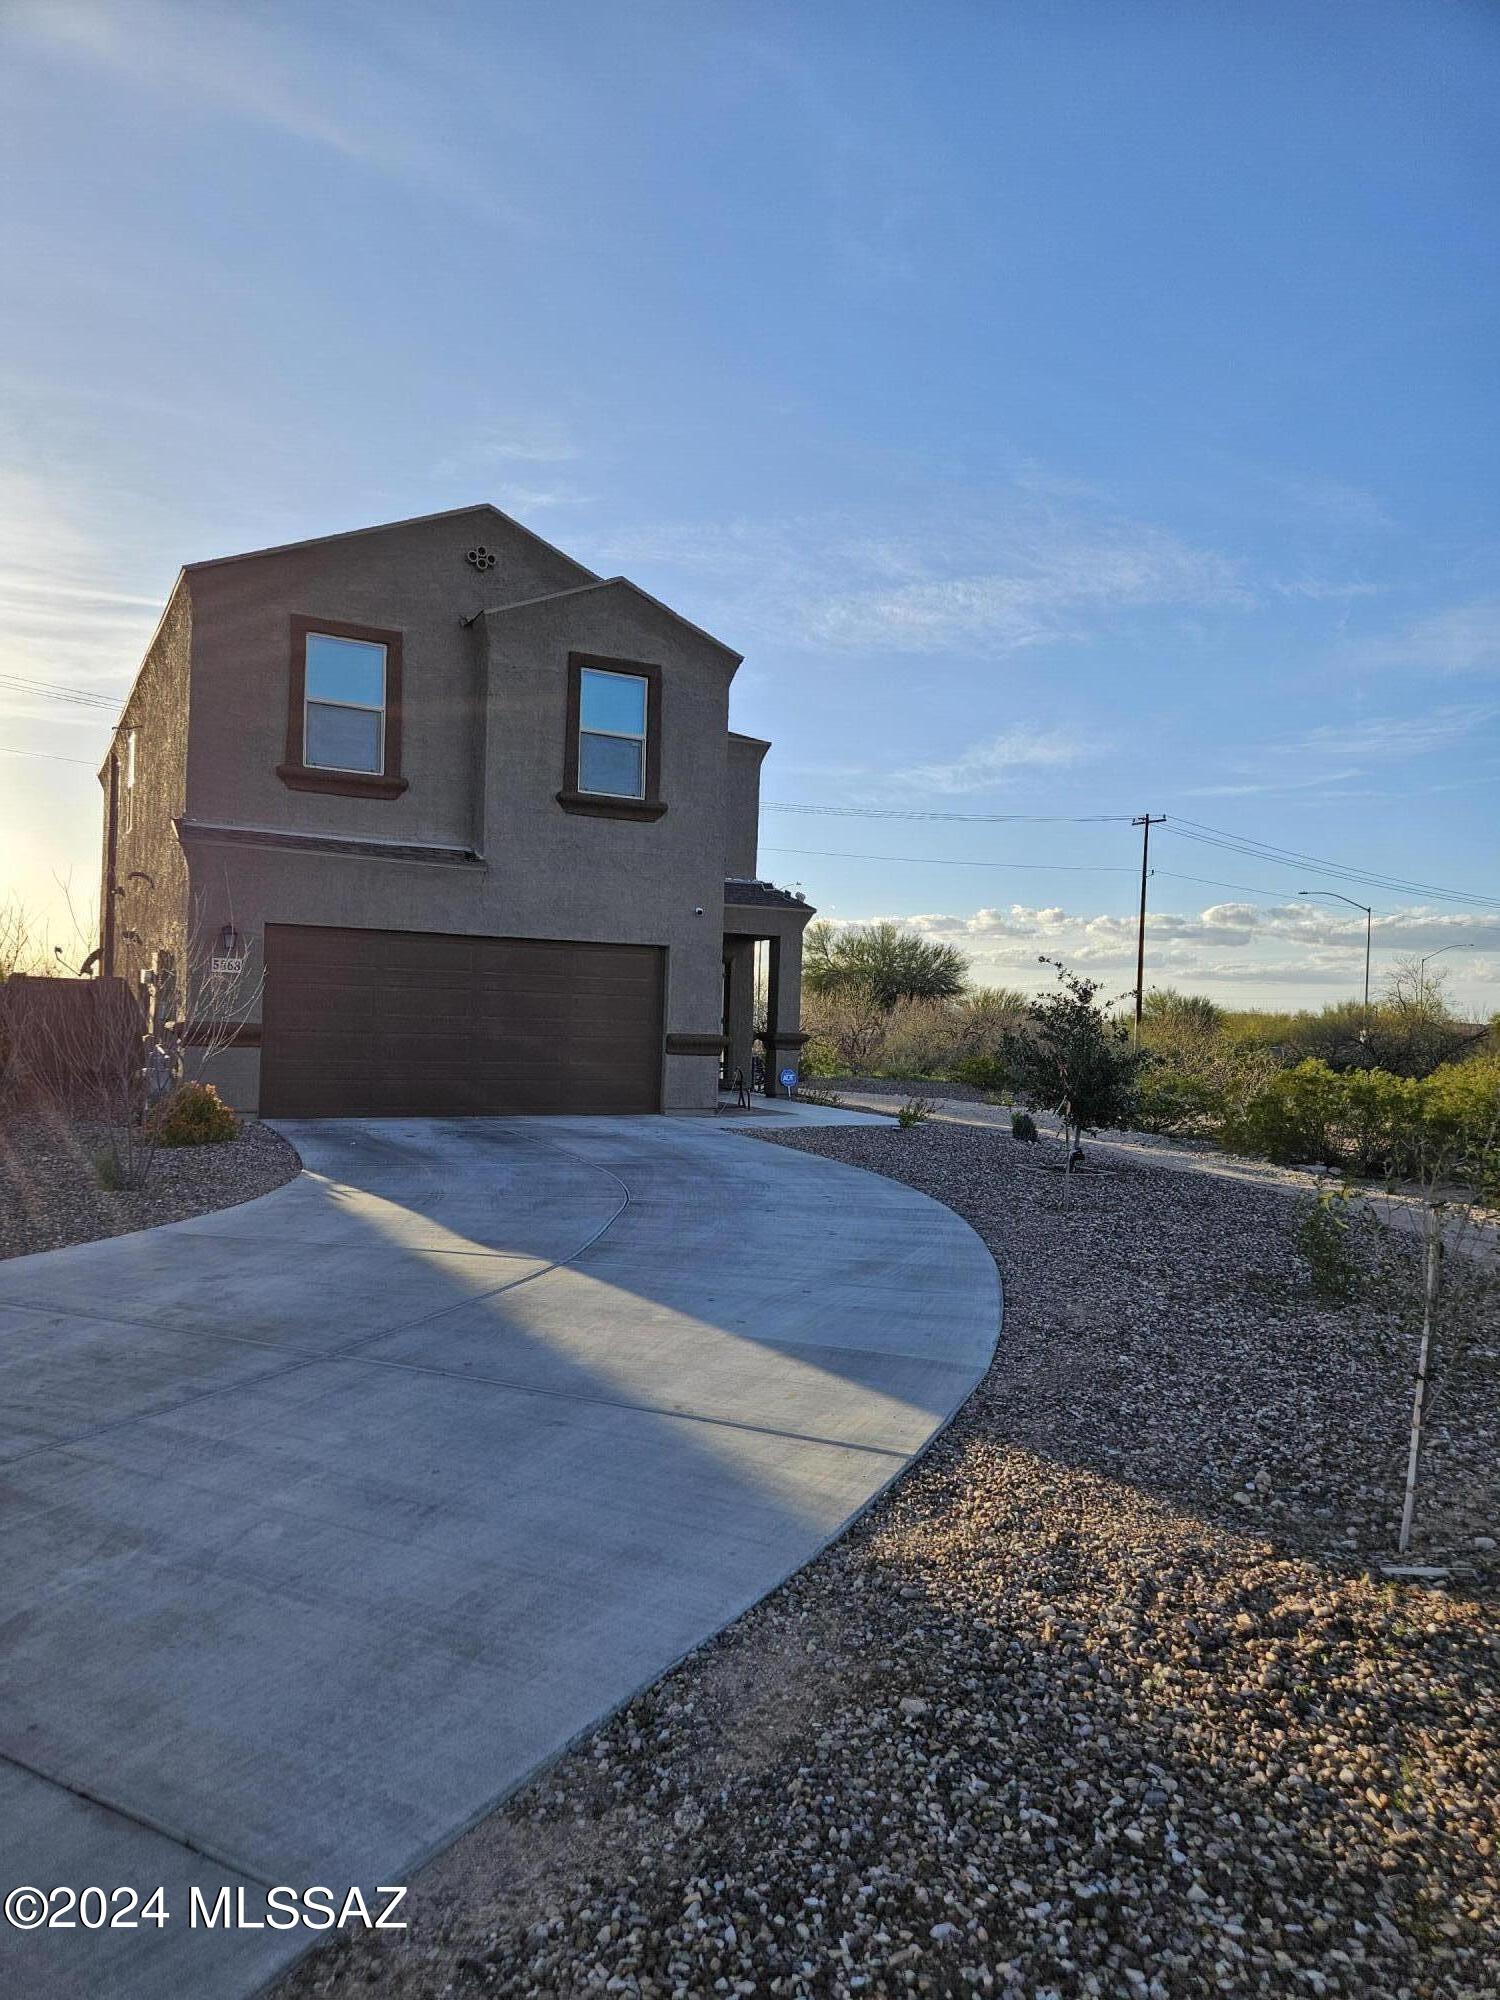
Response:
column 481, row 558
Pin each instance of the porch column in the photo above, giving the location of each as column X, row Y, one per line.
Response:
column 739, row 1002
column 784, row 1037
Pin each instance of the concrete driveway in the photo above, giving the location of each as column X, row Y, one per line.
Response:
column 326, row 1519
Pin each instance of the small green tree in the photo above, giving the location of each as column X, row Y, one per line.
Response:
column 883, row 960
column 1073, row 1060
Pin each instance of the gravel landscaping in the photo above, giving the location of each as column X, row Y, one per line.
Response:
column 1108, row 1697
column 50, row 1193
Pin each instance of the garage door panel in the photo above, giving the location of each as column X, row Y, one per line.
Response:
column 362, row 1023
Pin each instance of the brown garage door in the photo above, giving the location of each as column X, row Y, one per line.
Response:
column 408, row 1024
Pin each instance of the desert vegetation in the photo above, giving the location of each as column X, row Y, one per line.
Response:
column 1374, row 1092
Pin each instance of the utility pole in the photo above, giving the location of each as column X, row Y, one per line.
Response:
column 1145, row 822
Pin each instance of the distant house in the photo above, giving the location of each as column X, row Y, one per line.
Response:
column 465, row 822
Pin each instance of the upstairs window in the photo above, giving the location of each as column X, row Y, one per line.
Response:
column 612, row 747
column 612, row 730
column 344, row 720
column 343, row 724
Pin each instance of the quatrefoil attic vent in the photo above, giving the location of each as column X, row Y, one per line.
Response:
column 481, row 558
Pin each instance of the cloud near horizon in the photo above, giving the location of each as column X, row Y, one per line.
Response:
column 1222, row 943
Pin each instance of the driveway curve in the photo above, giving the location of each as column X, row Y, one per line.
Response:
column 325, row 1520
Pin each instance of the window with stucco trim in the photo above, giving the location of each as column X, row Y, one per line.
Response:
column 343, row 731
column 612, row 745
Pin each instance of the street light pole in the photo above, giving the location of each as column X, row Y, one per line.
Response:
column 1369, row 922
column 1422, row 966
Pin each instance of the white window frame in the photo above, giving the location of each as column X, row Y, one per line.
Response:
column 360, row 707
column 619, row 735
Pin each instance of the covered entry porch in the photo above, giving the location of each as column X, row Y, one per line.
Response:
column 759, row 914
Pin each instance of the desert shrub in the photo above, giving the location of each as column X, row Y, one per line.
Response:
column 1460, row 1122
column 1023, row 1126
column 1165, row 1008
column 1378, row 1117
column 921, row 1038
column 1292, row 1118
column 986, row 1073
column 848, row 1030
column 1398, row 1126
column 1176, row 1100
column 194, row 1115
column 913, row 1112
column 1326, row 1238
column 820, row 1058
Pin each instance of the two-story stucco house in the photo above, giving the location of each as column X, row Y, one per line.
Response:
column 462, row 826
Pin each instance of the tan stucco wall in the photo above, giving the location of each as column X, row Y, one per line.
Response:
column 742, row 804
column 414, row 578
column 147, row 847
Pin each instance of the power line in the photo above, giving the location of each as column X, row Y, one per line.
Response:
column 943, row 861
column 51, row 757
column 1185, row 829
column 1285, row 857
column 51, row 691
column 973, row 819
column 1212, row 882
column 1030, row 867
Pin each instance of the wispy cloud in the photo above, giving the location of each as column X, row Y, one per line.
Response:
column 1395, row 736
column 265, row 69
column 984, row 764
column 1272, row 787
column 1324, row 590
column 233, row 62
column 1280, row 766
column 512, row 444
column 999, row 577
column 1463, row 639
column 1333, row 503
column 64, row 616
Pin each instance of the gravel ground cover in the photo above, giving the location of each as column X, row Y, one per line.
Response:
column 1107, row 1697
column 50, row 1193
column 902, row 1088
column 882, row 1093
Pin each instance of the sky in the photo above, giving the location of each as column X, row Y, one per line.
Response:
column 1071, row 411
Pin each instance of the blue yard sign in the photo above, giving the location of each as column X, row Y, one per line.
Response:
column 789, row 1079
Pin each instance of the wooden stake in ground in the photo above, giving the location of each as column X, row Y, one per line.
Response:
column 1432, row 1256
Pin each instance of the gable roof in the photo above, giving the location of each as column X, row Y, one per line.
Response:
column 388, row 527
column 617, row 583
